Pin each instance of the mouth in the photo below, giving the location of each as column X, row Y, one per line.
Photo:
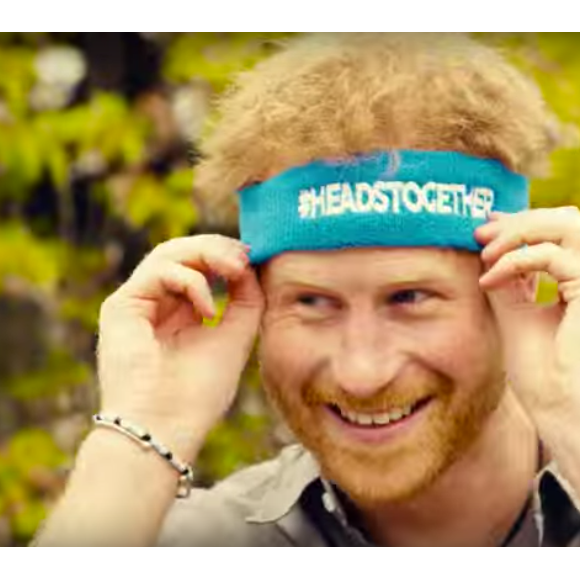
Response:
column 379, row 419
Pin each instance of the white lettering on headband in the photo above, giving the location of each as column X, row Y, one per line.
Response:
column 394, row 197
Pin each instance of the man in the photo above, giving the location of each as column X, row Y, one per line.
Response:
column 390, row 273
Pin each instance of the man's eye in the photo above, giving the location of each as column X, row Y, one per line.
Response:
column 314, row 301
column 408, row 297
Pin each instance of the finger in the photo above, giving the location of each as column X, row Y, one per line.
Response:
column 207, row 253
column 510, row 231
column 245, row 308
column 183, row 316
column 561, row 263
column 159, row 281
column 169, row 305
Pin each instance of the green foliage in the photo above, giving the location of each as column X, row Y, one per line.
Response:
column 547, row 290
column 107, row 125
column 550, row 58
column 17, row 78
column 27, row 463
column 24, row 256
column 235, row 443
column 215, row 57
column 50, row 142
column 60, row 372
column 165, row 207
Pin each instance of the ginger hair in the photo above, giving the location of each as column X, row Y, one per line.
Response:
column 333, row 95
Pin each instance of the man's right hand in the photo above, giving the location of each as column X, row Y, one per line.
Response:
column 159, row 366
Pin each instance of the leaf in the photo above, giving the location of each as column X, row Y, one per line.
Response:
column 164, row 207
column 85, row 311
column 22, row 457
column 27, row 518
column 22, row 255
column 31, row 448
column 61, row 372
column 145, row 200
column 215, row 56
column 58, row 167
column 17, row 78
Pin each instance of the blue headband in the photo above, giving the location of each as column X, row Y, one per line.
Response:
column 404, row 199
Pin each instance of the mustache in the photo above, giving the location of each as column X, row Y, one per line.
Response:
column 398, row 394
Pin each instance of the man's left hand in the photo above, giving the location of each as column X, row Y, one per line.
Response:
column 541, row 343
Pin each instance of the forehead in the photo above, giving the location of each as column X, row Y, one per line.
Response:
column 363, row 267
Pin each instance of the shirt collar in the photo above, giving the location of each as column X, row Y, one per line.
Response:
column 279, row 494
column 556, row 508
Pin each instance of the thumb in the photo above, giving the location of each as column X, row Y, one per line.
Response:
column 527, row 330
column 513, row 303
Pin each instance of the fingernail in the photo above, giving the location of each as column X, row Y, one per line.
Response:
column 487, row 230
column 484, row 279
column 484, row 253
column 209, row 314
column 239, row 261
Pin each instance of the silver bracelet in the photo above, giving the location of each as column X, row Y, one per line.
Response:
column 141, row 436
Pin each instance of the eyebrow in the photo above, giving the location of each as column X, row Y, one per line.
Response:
column 397, row 282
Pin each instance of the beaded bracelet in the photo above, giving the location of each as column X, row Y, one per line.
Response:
column 186, row 477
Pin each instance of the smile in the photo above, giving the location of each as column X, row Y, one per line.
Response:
column 379, row 418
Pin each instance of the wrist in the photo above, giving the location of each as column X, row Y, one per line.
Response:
column 183, row 438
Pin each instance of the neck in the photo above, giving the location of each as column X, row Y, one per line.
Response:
column 463, row 507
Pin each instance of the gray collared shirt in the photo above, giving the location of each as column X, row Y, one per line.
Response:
column 285, row 502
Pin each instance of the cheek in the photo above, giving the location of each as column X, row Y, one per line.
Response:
column 288, row 353
column 465, row 348
column 287, row 364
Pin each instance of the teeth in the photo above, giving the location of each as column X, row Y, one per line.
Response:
column 395, row 415
column 352, row 417
column 363, row 419
column 376, row 418
column 381, row 419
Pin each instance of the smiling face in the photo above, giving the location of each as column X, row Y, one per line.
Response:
column 385, row 363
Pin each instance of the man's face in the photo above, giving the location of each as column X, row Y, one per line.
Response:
column 352, row 339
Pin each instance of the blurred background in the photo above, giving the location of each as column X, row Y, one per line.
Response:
column 98, row 136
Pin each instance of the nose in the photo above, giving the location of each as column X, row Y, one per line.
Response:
column 368, row 358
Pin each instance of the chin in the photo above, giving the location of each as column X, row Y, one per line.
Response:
column 370, row 481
